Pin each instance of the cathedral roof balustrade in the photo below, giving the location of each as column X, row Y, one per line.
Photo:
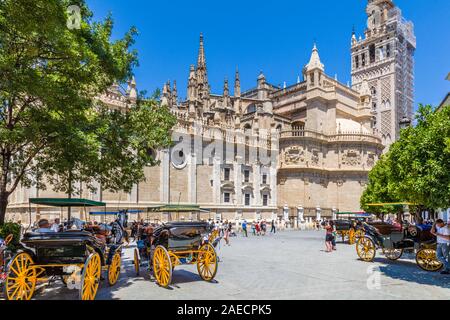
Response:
column 289, row 90
column 349, row 136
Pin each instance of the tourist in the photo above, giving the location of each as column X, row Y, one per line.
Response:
column 263, row 228
column 56, row 226
column 258, row 229
column 44, row 226
column 273, row 229
column 244, row 228
column 334, row 233
column 226, row 233
column 442, row 232
column 329, row 238
column 253, row 229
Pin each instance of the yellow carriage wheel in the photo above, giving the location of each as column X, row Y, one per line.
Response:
column 90, row 279
column 136, row 261
column 162, row 266
column 21, row 278
column 114, row 269
column 207, row 262
column 427, row 260
column 351, row 236
column 365, row 248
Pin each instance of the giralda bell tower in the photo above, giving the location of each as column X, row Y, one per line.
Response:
column 385, row 58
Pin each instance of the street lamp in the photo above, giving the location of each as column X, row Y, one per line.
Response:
column 405, row 123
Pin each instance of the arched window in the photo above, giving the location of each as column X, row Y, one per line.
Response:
column 251, row 108
column 373, row 90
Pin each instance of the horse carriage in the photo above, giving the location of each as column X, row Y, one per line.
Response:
column 350, row 229
column 76, row 257
column 162, row 248
column 393, row 241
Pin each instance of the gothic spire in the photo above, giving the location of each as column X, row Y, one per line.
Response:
column 226, row 91
column 201, row 61
column 237, row 85
column 202, row 74
column 174, row 93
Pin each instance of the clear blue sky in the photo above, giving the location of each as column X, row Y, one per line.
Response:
column 275, row 37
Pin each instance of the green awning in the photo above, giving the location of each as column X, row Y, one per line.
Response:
column 176, row 208
column 66, row 202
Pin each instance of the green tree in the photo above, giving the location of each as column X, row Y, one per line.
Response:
column 421, row 160
column 417, row 167
column 51, row 123
column 380, row 189
column 110, row 147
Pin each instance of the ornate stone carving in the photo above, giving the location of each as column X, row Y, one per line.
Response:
column 315, row 157
column 371, row 159
column 351, row 158
column 294, row 155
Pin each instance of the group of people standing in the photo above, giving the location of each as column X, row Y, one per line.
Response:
column 225, row 230
column 259, row 228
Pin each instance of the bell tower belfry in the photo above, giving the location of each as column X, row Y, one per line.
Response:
column 384, row 57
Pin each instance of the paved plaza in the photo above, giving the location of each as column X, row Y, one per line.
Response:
column 288, row 265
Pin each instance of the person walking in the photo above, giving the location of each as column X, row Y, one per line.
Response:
column 226, row 233
column 258, row 229
column 329, row 238
column 244, row 228
column 253, row 229
column 334, row 234
column 442, row 232
column 263, row 227
column 273, row 229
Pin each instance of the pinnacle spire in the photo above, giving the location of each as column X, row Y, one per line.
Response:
column 314, row 62
column 201, row 61
column 201, row 72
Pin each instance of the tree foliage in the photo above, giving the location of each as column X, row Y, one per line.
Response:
column 417, row 167
column 51, row 123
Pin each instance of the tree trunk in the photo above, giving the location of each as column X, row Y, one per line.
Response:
column 3, row 205
column 69, row 209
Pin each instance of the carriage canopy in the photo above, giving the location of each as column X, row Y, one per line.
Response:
column 66, row 202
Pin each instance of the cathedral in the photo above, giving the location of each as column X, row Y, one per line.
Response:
column 294, row 153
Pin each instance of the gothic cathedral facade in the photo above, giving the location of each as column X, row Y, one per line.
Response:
column 293, row 152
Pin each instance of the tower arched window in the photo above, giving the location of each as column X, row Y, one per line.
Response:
column 373, row 90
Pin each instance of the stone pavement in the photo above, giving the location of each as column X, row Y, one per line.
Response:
column 288, row 265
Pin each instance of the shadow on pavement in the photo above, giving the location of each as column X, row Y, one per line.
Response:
column 409, row 271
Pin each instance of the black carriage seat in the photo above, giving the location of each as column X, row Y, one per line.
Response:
column 181, row 235
column 37, row 239
column 187, row 224
column 343, row 225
